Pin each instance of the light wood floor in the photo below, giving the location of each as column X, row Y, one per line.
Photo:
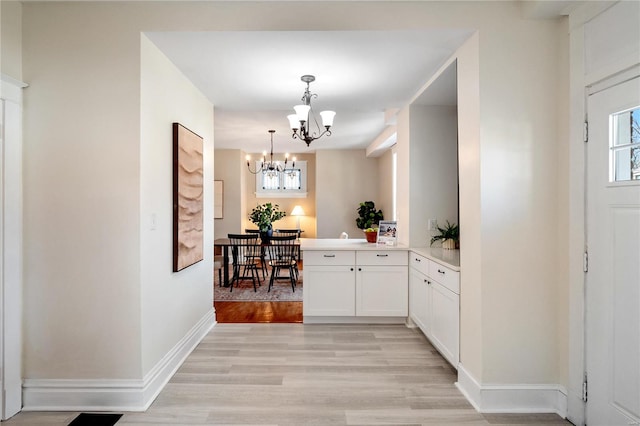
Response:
column 295, row 374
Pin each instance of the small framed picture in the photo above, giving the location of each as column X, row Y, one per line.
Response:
column 388, row 233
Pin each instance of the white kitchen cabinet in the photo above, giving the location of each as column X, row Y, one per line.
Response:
column 381, row 291
column 329, row 290
column 434, row 302
column 329, row 287
column 357, row 283
column 419, row 299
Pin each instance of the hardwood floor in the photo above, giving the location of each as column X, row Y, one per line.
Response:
column 253, row 312
column 296, row 374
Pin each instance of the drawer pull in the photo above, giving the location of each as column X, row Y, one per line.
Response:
column 359, row 269
column 442, row 272
column 351, row 269
column 329, row 255
column 382, row 255
column 418, row 260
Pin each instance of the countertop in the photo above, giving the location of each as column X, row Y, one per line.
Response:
column 449, row 258
column 344, row 244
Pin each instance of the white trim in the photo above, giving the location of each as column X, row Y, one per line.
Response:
column 353, row 320
column 516, row 398
column 114, row 395
column 283, row 194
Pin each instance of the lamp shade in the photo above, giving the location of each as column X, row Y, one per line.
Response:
column 327, row 118
column 293, row 121
column 297, row 211
column 302, row 111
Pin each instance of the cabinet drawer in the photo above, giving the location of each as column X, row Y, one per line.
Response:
column 419, row 263
column 381, row 257
column 445, row 276
column 329, row 257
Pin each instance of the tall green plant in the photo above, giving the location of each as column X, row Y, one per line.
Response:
column 368, row 215
column 263, row 215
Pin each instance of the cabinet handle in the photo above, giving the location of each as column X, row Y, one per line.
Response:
column 382, row 255
column 351, row 269
column 442, row 272
column 359, row 269
column 428, row 282
column 329, row 255
column 418, row 260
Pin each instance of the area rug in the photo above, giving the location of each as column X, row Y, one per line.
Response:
column 243, row 291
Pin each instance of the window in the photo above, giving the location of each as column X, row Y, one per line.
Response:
column 291, row 183
column 625, row 146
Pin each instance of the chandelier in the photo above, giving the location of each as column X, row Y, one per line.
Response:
column 301, row 122
column 271, row 168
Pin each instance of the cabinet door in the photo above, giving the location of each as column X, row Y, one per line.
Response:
column 329, row 291
column 419, row 300
column 445, row 321
column 382, row 291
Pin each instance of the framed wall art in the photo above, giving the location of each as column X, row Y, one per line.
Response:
column 218, row 199
column 188, row 191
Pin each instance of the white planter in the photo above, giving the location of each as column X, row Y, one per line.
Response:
column 449, row 244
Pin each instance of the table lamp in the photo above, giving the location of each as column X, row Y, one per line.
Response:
column 297, row 211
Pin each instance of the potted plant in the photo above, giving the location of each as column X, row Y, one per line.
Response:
column 263, row 215
column 449, row 235
column 368, row 219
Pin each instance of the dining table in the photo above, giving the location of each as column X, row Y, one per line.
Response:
column 224, row 244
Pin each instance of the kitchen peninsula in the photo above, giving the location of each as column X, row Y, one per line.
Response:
column 352, row 281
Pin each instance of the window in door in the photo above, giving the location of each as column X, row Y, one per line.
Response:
column 625, row 146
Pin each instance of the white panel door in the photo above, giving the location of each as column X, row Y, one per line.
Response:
column 613, row 235
column 445, row 321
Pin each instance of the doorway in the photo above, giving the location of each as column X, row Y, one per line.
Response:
column 613, row 241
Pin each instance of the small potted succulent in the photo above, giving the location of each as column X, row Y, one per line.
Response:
column 263, row 216
column 368, row 219
column 449, row 235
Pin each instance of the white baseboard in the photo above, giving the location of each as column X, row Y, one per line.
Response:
column 113, row 395
column 543, row 398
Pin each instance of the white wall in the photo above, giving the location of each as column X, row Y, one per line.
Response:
column 345, row 178
column 385, row 184
column 171, row 302
column 434, row 170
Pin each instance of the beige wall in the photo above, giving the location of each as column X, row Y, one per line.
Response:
column 308, row 203
column 11, row 39
column 227, row 169
column 167, row 96
column 345, row 179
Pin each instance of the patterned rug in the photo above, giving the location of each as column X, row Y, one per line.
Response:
column 280, row 292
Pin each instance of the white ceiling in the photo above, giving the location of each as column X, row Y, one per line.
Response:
column 253, row 79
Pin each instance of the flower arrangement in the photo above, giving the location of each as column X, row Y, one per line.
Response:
column 263, row 215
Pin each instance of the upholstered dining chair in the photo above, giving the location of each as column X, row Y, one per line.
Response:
column 282, row 255
column 245, row 249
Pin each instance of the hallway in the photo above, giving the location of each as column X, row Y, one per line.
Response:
column 294, row 374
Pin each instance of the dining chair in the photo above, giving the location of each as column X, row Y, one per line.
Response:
column 263, row 254
column 282, row 255
column 218, row 263
column 297, row 232
column 245, row 250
